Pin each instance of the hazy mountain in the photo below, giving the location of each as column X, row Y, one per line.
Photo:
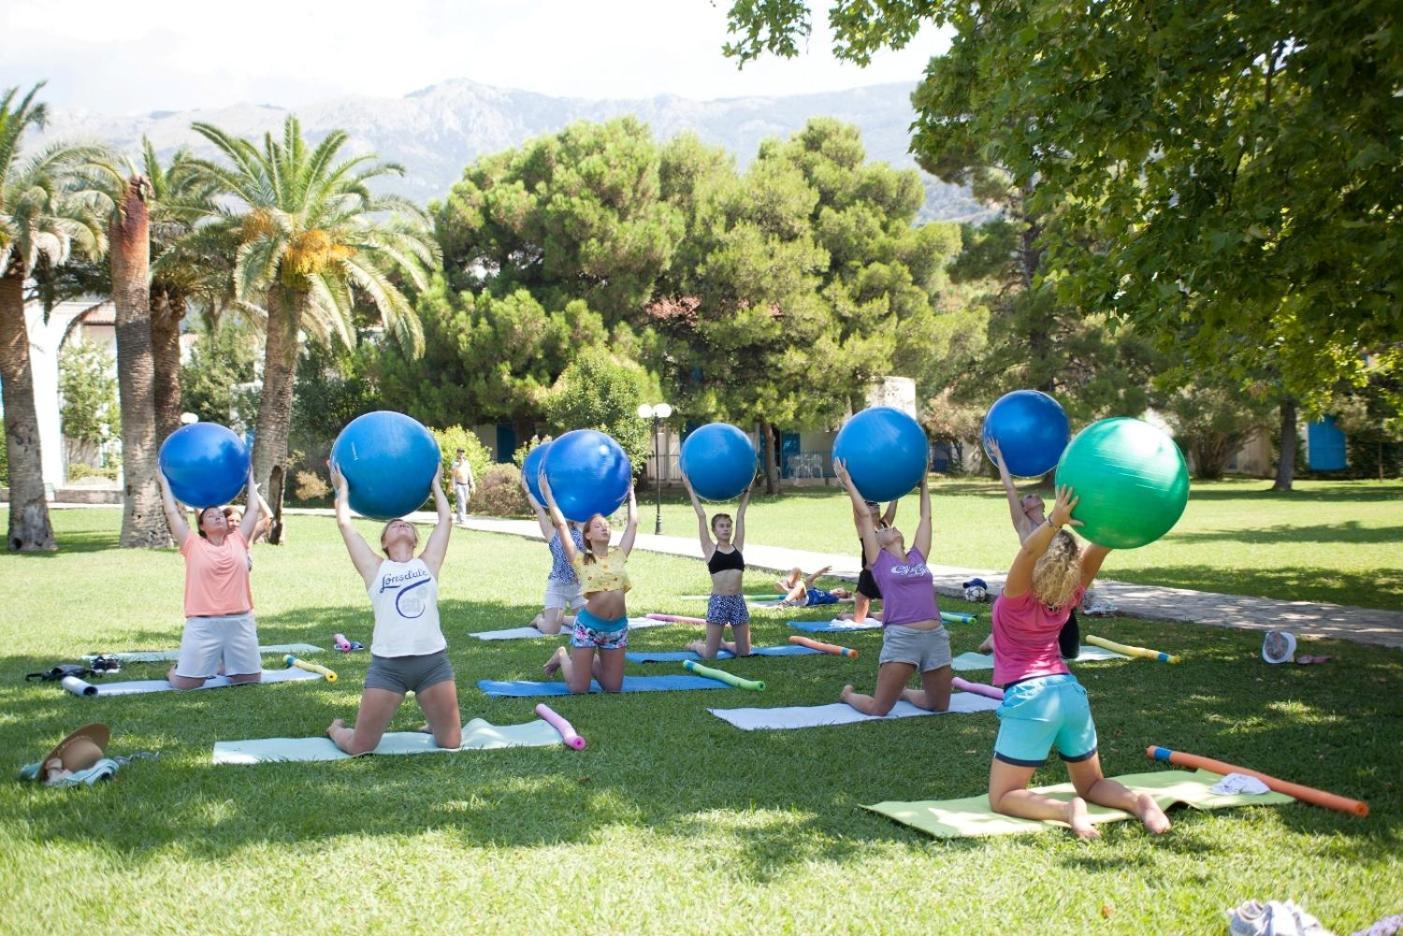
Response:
column 437, row 131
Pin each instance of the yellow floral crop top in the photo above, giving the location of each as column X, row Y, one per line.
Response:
column 607, row 574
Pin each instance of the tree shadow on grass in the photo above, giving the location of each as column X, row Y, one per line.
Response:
column 1369, row 588
column 1348, row 532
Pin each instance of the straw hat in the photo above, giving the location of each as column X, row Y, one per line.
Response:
column 82, row 749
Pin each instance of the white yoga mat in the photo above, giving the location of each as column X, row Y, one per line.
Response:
column 478, row 735
column 840, row 713
column 170, row 656
column 81, row 687
column 530, row 633
column 967, row 662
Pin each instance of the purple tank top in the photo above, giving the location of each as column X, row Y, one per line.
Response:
column 908, row 591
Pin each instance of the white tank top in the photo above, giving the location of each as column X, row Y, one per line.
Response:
column 405, row 598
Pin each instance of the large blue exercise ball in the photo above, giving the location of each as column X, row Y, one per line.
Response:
column 1031, row 429
column 885, row 452
column 588, row 473
column 205, row 464
column 531, row 469
column 390, row 461
column 719, row 460
column 1130, row 481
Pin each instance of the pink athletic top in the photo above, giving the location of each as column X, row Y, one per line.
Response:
column 1025, row 637
column 216, row 577
column 908, row 591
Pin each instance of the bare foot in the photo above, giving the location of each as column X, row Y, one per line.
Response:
column 1079, row 820
column 1150, row 814
column 698, row 647
column 553, row 664
column 847, row 691
column 845, row 616
column 337, row 724
column 988, row 645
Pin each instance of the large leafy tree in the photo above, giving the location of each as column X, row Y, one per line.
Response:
column 41, row 221
column 310, row 242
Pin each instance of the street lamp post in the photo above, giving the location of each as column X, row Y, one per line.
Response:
column 656, row 412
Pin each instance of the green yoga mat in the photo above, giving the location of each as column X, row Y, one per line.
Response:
column 971, row 816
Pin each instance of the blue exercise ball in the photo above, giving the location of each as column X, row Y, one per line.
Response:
column 531, row 468
column 1130, row 481
column 205, row 463
column 588, row 473
column 1031, row 429
column 719, row 460
column 390, row 461
column 885, row 451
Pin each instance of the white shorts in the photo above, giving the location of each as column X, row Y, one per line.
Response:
column 563, row 595
column 231, row 638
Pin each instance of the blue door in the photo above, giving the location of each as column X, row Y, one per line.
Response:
column 1325, row 446
column 506, row 443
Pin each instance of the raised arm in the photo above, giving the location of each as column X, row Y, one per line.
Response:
column 362, row 556
column 1091, row 559
column 889, row 515
column 255, row 510
column 923, row 529
column 557, row 519
column 436, row 549
column 175, row 519
column 631, row 531
column 861, row 516
column 1021, row 524
column 1020, row 574
column 739, row 538
column 542, row 515
column 708, row 546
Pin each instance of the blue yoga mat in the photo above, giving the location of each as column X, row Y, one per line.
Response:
column 839, row 627
column 521, row 687
column 677, row 656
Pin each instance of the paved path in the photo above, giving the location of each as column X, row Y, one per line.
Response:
column 1154, row 602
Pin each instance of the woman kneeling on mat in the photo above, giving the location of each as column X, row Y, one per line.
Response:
column 563, row 596
column 407, row 649
column 1044, row 706
column 220, row 633
column 600, row 635
column 913, row 638
column 727, row 567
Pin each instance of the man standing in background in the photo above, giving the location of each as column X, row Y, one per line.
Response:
column 462, row 484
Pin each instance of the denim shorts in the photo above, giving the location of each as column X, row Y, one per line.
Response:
column 599, row 633
column 727, row 609
column 408, row 673
column 924, row 649
column 1040, row 714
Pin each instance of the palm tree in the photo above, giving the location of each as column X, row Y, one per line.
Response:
column 41, row 220
column 308, row 246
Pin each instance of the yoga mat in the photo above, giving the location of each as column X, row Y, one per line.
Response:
column 840, row 713
column 971, row 816
column 478, row 735
column 81, row 687
column 522, row 688
column 752, row 600
column 677, row 656
column 170, row 656
column 837, row 626
column 530, row 633
column 982, row 661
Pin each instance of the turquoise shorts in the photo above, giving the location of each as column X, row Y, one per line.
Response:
column 1042, row 713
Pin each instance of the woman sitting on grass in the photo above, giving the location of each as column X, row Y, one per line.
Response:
column 726, row 605
column 1044, row 706
column 407, row 650
column 913, row 638
column 600, row 636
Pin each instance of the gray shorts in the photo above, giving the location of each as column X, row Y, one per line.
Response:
column 408, row 673
column 231, row 639
column 924, row 649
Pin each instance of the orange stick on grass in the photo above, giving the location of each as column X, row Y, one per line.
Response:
column 676, row 618
column 1303, row 793
column 823, row 647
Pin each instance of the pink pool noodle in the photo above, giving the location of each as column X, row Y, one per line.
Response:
column 676, row 618
column 558, row 722
column 978, row 688
column 342, row 643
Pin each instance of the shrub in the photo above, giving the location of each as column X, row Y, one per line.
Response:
column 499, row 493
column 452, row 439
column 309, row 486
column 77, row 471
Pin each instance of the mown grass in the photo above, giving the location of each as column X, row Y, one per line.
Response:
column 1334, row 541
column 671, row 820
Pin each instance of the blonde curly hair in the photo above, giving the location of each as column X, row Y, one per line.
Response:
column 1058, row 571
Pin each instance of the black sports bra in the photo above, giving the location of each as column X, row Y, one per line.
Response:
column 720, row 561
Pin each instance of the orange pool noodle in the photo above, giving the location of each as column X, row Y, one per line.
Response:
column 823, row 647
column 1303, row 793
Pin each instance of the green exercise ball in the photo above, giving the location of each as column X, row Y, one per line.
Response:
column 1130, row 480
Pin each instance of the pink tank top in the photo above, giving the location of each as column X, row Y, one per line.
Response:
column 1025, row 637
column 216, row 577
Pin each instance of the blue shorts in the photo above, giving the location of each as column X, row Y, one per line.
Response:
column 1043, row 713
column 599, row 633
column 727, row 609
column 820, row 596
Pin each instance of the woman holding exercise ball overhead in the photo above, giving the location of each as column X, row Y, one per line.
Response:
column 407, row 649
column 724, row 561
column 563, row 597
column 1028, row 514
column 600, row 635
column 913, row 638
column 867, row 590
column 220, row 634
column 1044, row 706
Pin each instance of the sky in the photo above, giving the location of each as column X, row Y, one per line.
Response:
column 149, row 55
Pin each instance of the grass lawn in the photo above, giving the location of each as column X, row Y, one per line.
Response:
column 1339, row 541
column 671, row 820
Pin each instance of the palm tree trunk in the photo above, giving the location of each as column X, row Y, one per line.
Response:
column 167, row 312
column 285, row 307
column 29, row 528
